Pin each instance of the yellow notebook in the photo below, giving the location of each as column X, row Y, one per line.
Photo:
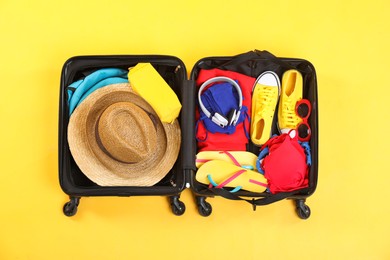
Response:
column 148, row 83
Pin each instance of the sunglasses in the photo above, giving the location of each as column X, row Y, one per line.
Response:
column 303, row 110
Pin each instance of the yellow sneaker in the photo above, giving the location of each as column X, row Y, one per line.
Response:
column 292, row 88
column 265, row 96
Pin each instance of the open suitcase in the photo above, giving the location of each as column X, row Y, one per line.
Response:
column 182, row 175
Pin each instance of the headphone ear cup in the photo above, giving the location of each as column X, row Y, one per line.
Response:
column 236, row 117
column 231, row 116
column 220, row 120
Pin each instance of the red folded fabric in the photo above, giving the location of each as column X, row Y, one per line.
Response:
column 285, row 166
column 238, row 140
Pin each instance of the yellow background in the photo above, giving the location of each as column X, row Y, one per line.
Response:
column 348, row 43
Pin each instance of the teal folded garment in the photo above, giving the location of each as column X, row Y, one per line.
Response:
column 79, row 90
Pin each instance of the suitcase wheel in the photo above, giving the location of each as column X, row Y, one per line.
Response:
column 70, row 208
column 302, row 209
column 204, row 208
column 178, row 207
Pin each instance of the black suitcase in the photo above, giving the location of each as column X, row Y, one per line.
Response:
column 252, row 64
column 182, row 175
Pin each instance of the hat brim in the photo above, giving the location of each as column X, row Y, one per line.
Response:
column 100, row 167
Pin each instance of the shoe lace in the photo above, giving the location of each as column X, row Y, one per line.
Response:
column 290, row 119
column 267, row 95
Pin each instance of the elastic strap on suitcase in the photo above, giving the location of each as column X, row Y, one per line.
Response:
column 267, row 198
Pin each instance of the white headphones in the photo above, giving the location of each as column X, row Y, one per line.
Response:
column 217, row 118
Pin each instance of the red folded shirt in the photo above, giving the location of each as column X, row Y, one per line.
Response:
column 223, row 142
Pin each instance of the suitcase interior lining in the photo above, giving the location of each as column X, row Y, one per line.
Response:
column 254, row 68
column 74, row 182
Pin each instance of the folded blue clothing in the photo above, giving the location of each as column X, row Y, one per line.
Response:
column 79, row 90
column 221, row 98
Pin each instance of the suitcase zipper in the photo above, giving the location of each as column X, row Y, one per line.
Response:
column 178, row 67
column 172, row 183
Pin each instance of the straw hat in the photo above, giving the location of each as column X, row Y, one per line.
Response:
column 117, row 139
